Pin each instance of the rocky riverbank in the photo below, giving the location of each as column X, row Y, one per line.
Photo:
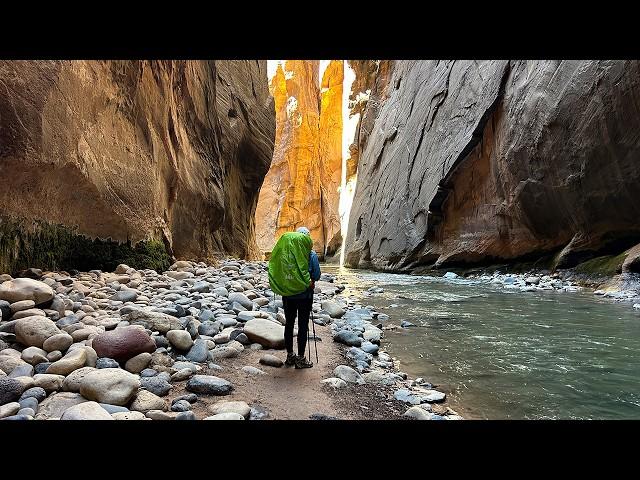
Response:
column 194, row 342
column 624, row 287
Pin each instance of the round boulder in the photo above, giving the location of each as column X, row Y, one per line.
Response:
column 240, row 408
column 180, row 339
column 73, row 360
column 123, row 343
column 20, row 289
column 33, row 331
column 109, row 385
column 10, row 390
column 86, row 411
column 146, row 401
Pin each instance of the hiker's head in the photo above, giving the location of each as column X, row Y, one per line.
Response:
column 304, row 230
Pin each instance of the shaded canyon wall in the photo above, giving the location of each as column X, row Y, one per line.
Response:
column 171, row 151
column 469, row 162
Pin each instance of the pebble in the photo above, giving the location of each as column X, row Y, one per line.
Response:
column 38, row 393
column 252, row 370
column 189, row 397
column 209, row 384
column 180, row 406
column 225, row 416
column 188, row 415
column 157, row 385
column 107, row 363
column 271, row 361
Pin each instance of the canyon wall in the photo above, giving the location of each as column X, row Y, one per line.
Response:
column 471, row 162
column 301, row 188
column 129, row 151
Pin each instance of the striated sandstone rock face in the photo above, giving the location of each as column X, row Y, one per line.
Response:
column 133, row 150
column 301, row 187
column 477, row 161
column 330, row 153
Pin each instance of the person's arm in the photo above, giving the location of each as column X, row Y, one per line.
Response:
column 314, row 268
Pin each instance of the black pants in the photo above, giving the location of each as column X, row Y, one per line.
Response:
column 301, row 307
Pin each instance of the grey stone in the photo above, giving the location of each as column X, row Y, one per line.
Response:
column 188, row 415
column 192, row 328
column 9, row 409
column 242, row 299
column 182, row 365
column 206, row 316
column 226, row 416
column 271, row 361
column 265, row 332
column 334, row 382
column 5, row 310
column 180, row 406
column 107, row 363
column 369, row 347
column 42, row 367
column 181, row 375
column 222, row 352
column 29, row 412
column 322, row 416
column 29, row 402
column 209, row 384
column 209, row 328
column 347, row 337
column 180, row 339
column 22, row 371
column 358, row 355
column 57, row 403
column 157, row 385
column 333, row 309
column 406, row 324
column 10, row 390
column 161, row 341
column 189, row 397
column 419, row 413
column 86, row 411
column 252, row 370
column 113, row 408
column 124, row 296
column 198, row 352
column 154, row 321
column 348, row 374
column 34, row 392
column 17, row 417
column 148, row 372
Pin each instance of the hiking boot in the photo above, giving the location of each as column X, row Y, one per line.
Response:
column 302, row 362
column 291, row 359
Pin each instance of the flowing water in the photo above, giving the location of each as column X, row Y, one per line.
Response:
column 506, row 354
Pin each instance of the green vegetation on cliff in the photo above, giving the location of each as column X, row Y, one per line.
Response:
column 55, row 247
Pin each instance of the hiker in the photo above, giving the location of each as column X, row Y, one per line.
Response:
column 293, row 271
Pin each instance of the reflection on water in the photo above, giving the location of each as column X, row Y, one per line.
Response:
column 505, row 354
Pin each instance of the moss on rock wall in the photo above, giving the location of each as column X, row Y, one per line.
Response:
column 25, row 244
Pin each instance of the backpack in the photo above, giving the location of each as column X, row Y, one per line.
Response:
column 289, row 264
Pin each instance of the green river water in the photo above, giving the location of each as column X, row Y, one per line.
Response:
column 506, row 354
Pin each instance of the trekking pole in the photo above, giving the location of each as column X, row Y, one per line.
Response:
column 315, row 340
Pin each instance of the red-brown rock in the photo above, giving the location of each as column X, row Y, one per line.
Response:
column 123, row 343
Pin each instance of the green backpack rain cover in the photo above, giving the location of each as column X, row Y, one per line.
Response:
column 289, row 264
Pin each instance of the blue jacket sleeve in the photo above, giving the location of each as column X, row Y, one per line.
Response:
column 314, row 266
